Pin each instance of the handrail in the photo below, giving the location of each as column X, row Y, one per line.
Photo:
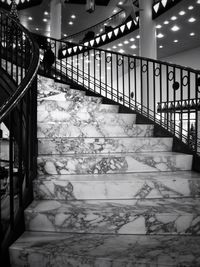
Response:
column 19, row 58
column 135, row 81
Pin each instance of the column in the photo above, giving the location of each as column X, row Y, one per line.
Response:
column 55, row 18
column 148, row 48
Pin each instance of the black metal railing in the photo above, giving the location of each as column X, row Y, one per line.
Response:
column 138, row 83
column 19, row 61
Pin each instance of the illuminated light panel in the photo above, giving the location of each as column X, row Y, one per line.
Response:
column 156, row 7
column 122, row 28
column 164, row 2
column 97, row 40
column 182, row 13
column 175, row 28
column 110, row 35
column 129, row 24
column 103, row 37
column 116, row 31
column 191, row 20
column 173, row 18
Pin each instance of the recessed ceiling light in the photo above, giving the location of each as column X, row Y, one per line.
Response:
column 192, row 34
column 108, row 49
column 175, row 28
column 132, row 39
column 65, row 35
column 45, row 20
column 182, row 12
column 160, row 35
column 190, row 7
column 173, row 18
column 120, row 3
column 105, row 24
column 191, row 19
column 73, row 16
column 121, row 51
column 115, row 11
column 46, row 13
column 138, row 36
column 71, row 23
column 114, row 47
column 126, row 42
column 101, row 30
column 37, row 29
column 198, row 1
column 30, row 18
column 166, row 22
column 158, row 26
column 176, row 41
column 120, row 44
column 161, row 46
column 133, row 46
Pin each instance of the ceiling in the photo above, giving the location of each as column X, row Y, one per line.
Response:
column 172, row 42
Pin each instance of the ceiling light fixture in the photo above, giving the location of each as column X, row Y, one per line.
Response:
column 126, row 42
column 120, row 44
column 161, row 46
column 191, row 19
column 133, row 46
column 175, row 28
column 158, row 26
column 121, row 51
column 45, row 20
column 46, row 13
column 182, row 12
column 160, row 35
column 132, row 39
column 71, row 23
column 73, row 16
column 176, row 41
column 198, row 1
column 190, row 7
column 192, row 34
column 30, row 18
column 166, row 22
column 138, row 36
column 173, row 18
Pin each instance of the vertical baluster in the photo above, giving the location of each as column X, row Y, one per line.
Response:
column 129, row 84
column 181, row 102
column 88, row 61
column 161, row 93
column 117, row 78
column 174, row 102
column 123, row 82
column 154, row 92
column 27, row 105
column 141, row 85
column 167, row 86
column 11, row 186
column 105, row 66
column 135, row 81
column 148, row 87
column 188, row 113
column 100, row 70
column 20, row 153
column 196, row 115
column 111, row 83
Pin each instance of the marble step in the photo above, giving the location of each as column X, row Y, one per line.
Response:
column 114, row 163
column 43, row 249
column 92, row 129
column 80, row 145
column 47, row 88
column 71, row 114
column 118, row 186
column 86, row 104
column 142, row 216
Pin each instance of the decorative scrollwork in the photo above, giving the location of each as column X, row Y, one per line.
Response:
column 176, row 86
column 132, row 65
column 171, row 76
column 185, row 80
column 119, row 61
column 108, row 59
column 144, row 68
column 157, row 72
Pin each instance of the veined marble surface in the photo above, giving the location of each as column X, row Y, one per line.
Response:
column 143, row 216
column 118, row 186
column 85, row 105
column 84, row 118
column 36, row 249
column 114, row 163
column 93, row 129
column 102, row 145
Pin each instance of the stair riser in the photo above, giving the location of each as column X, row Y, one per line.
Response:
column 50, row 130
column 131, row 217
column 137, row 188
column 97, row 164
column 105, row 251
column 102, row 145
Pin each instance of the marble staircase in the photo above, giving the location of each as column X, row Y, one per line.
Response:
column 108, row 193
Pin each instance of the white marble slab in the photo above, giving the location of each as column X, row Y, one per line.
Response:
column 114, row 163
column 129, row 186
column 102, row 145
column 40, row 249
column 143, row 216
column 92, row 129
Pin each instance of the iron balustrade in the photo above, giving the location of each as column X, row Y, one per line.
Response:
column 19, row 61
column 135, row 82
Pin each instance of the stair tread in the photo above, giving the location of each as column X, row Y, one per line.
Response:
column 185, row 175
column 179, row 206
column 106, row 249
